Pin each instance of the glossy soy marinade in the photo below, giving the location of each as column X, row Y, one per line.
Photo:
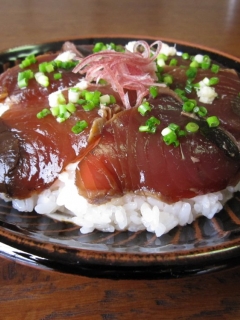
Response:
column 120, row 158
column 127, row 160
column 34, row 151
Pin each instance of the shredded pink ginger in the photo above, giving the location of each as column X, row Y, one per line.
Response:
column 124, row 71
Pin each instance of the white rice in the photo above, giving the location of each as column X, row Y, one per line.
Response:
column 130, row 212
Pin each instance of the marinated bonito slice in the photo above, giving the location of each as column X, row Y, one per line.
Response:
column 127, row 160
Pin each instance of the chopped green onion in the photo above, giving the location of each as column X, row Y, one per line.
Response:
column 73, row 94
column 112, row 99
column 107, row 99
column 68, row 64
column 31, row 59
column 102, row 81
column 185, row 56
column 43, row 113
column 194, row 64
column 205, row 65
column 88, row 106
column 71, row 107
column 173, row 62
column 153, row 91
column 23, row 83
column 162, row 56
column 57, row 76
column 49, row 67
column 181, row 133
column 81, row 101
column 42, row 79
column 192, row 127
column 167, row 79
column 191, row 72
column 188, row 88
column 188, row 106
column 213, row 121
column 215, row 68
column 55, row 111
column 202, row 111
column 99, row 47
column 213, row 81
column 174, row 127
column 150, row 125
column 24, row 77
column 196, row 109
column 93, row 96
column 181, row 94
column 42, row 67
column 62, row 110
column 171, row 138
column 79, row 126
column 143, row 108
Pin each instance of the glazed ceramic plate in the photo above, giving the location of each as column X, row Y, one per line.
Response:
column 205, row 245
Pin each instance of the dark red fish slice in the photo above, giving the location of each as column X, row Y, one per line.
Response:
column 226, row 106
column 41, row 148
column 126, row 160
column 34, row 92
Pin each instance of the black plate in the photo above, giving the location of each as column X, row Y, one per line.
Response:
column 205, row 245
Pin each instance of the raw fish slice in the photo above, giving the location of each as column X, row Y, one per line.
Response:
column 34, row 92
column 142, row 163
column 41, row 148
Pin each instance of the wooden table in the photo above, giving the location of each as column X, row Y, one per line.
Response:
column 31, row 292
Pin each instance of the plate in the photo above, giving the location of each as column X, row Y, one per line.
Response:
column 205, row 245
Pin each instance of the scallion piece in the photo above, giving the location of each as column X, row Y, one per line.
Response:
column 88, row 106
column 213, row 121
column 71, row 107
column 162, row 56
column 202, row 112
column 144, row 108
column 24, row 77
column 173, row 62
column 171, row 138
column 191, row 72
column 215, row 68
column 153, row 91
column 23, row 83
column 181, row 133
column 188, row 88
column 188, row 106
column 42, row 67
column 99, row 47
column 150, row 125
column 205, row 65
column 42, row 79
column 192, row 127
column 167, row 79
column 213, row 81
column 185, row 56
column 55, row 111
column 31, row 59
column 174, row 127
column 57, row 76
column 194, row 64
column 43, row 113
column 79, row 126
column 112, row 99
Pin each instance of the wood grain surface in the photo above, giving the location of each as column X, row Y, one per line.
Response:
column 30, row 292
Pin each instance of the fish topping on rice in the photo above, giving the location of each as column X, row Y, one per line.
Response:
column 125, row 138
